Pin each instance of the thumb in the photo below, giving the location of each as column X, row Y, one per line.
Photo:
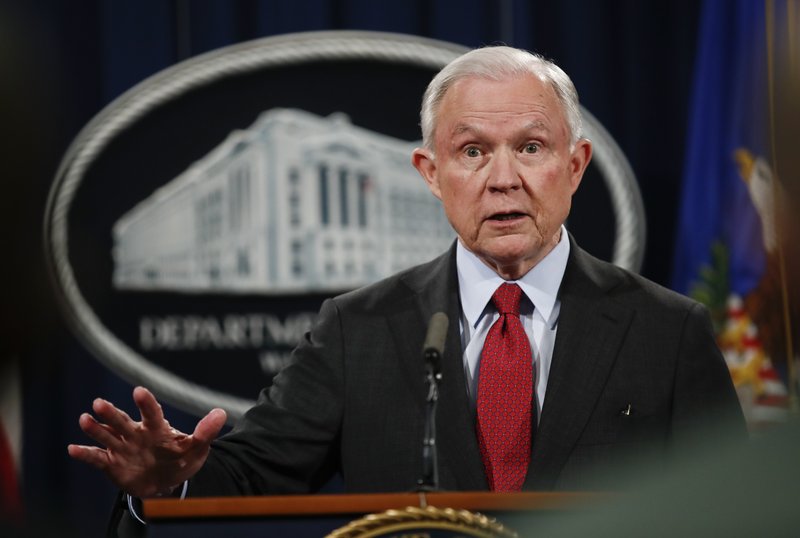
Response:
column 210, row 425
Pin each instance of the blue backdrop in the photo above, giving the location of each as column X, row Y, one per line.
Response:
column 63, row 61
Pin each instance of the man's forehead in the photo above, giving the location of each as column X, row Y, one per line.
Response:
column 513, row 94
column 470, row 125
column 527, row 80
column 521, row 101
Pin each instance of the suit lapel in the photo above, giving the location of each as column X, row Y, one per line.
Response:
column 591, row 328
column 436, row 289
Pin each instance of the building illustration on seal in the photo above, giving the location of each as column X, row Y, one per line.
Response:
column 296, row 203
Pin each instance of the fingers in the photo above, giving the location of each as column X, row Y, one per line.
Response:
column 209, row 426
column 119, row 432
column 149, row 408
column 101, row 433
column 92, row 455
column 113, row 425
column 117, row 419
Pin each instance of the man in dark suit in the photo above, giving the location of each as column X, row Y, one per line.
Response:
column 609, row 364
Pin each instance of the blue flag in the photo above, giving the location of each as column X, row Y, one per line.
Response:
column 727, row 252
column 728, row 126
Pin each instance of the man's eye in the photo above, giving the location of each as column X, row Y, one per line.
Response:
column 531, row 148
column 472, row 151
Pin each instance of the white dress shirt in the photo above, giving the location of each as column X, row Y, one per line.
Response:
column 477, row 283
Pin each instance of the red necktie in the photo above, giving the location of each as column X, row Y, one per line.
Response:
column 505, row 389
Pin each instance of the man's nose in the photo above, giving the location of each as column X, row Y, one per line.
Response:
column 504, row 172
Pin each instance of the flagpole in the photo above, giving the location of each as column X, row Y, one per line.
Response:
column 794, row 404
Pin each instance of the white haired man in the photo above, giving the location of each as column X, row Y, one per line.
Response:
column 555, row 363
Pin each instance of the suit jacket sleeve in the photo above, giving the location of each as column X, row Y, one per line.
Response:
column 287, row 442
column 705, row 404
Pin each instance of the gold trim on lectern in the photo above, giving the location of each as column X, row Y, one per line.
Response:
column 414, row 521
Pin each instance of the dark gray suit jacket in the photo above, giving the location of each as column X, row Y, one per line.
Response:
column 352, row 400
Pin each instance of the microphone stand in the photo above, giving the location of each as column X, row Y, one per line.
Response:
column 430, row 466
column 432, row 351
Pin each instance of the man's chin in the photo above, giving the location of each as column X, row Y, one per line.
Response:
column 511, row 248
column 511, row 255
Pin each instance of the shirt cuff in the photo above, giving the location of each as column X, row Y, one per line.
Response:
column 135, row 503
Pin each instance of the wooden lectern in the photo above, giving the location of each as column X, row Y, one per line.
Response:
column 319, row 515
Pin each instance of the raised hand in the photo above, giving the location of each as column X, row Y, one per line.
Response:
column 146, row 458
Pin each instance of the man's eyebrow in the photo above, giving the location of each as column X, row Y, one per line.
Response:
column 471, row 128
column 536, row 125
column 461, row 128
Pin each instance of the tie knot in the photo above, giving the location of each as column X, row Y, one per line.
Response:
column 506, row 298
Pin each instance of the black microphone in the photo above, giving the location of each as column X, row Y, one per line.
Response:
column 432, row 351
column 433, row 348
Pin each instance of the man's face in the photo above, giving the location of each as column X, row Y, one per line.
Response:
column 503, row 169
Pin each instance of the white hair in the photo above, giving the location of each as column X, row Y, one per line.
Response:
column 498, row 63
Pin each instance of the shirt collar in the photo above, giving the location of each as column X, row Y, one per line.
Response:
column 477, row 282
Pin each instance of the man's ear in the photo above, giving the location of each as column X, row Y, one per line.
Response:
column 425, row 163
column 578, row 161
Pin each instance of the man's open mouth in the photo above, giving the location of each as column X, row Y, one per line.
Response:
column 506, row 216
